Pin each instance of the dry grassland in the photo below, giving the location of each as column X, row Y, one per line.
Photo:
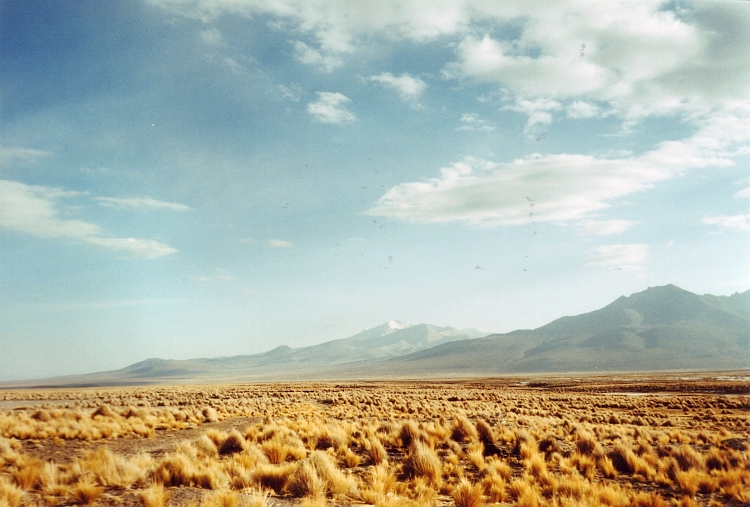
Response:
column 654, row 441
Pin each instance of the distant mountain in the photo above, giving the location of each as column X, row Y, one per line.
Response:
column 661, row 328
column 389, row 340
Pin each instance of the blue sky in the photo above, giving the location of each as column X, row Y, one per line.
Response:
column 198, row 178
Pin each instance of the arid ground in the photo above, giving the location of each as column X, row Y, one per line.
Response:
column 647, row 440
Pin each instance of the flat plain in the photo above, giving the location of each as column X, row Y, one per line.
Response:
column 618, row 440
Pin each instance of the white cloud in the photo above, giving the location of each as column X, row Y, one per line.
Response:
column 310, row 56
column 212, row 37
column 10, row 154
column 294, row 93
column 604, row 227
column 740, row 223
column 409, row 88
column 34, row 210
column 330, row 108
column 474, row 122
column 142, row 248
column 624, row 257
column 145, row 203
column 280, row 243
column 641, row 58
column 221, row 275
column 744, row 193
column 558, row 187
column 580, row 109
column 538, row 112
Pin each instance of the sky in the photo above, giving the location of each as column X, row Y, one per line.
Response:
column 202, row 178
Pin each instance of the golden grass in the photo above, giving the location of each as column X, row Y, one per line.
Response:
column 154, row 496
column 386, row 444
column 86, row 492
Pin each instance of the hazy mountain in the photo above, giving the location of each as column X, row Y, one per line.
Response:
column 662, row 328
column 389, row 340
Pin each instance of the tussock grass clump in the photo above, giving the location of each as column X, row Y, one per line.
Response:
column 467, row 494
column 180, row 470
column 485, row 433
column 10, row 494
column 687, row 458
column 28, row 472
column 409, row 433
column 154, row 496
column 421, row 461
column 587, row 445
column 463, row 430
column 382, row 481
column 233, row 443
column 210, row 414
column 112, row 470
column 86, row 492
column 305, row 481
column 375, row 451
column 221, row 499
column 273, row 477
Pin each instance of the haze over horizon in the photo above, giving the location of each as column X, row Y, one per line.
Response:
column 202, row 178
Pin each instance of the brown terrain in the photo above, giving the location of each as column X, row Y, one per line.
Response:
column 649, row 440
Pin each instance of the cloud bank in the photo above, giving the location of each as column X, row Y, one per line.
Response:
column 560, row 188
column 35, row 210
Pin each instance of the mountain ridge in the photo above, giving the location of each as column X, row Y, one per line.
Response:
column 660, row 328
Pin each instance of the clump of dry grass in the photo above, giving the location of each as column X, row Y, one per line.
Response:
column 10, row 494
column 273, row 477
column 375, row 451
column 86, row 492
column 305, row 481
column 466, row 494
column 109, row 469
column 221, row 499
column 154, row 496
column 463, row 430
column 421, row 461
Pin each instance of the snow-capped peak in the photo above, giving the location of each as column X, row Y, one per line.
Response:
column 395, row 325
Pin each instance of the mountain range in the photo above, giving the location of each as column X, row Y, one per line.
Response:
column 661, row 328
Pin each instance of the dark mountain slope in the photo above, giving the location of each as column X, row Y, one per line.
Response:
column 661, row 328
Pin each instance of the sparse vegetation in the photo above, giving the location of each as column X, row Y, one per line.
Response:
column 557, row 442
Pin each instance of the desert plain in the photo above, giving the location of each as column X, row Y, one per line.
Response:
column 618, row 440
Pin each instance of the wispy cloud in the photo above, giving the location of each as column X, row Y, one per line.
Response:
column 604, row 227
column 474, row 122
column 625, row 257
column 580, row 109
column 280, row 243
column 408, row 87
column 10, row 154
column 559, row 188
column 538, row 112
column 331, row 108
column 35, row 210
column 142, row 203
column 310, row 56
column 221, row 275
column 740, row 223
column 212, row 37
column 143, row 248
